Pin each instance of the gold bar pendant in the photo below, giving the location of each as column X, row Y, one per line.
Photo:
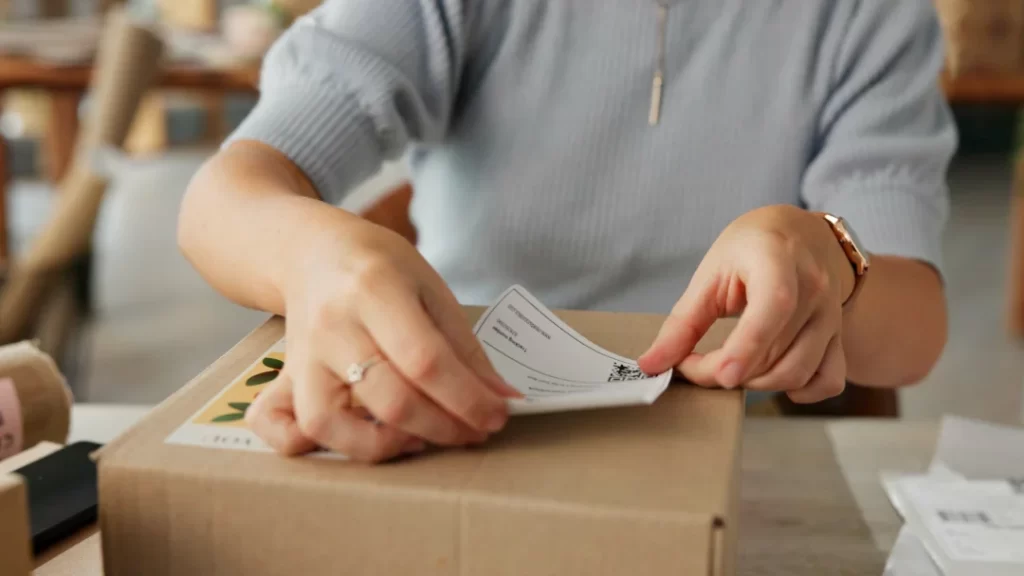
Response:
column 655, row 113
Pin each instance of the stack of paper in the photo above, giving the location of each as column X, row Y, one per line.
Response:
column 555, row 367
column 965, row 517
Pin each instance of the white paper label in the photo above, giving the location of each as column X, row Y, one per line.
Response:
column 970, row 521
column 555, row 367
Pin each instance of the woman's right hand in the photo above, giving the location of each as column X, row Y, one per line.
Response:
column 362, row 292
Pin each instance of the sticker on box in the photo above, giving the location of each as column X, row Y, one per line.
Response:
column 221, row 422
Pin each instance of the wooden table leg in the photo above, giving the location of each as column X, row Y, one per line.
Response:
column 61, row 133
column 1015, row 274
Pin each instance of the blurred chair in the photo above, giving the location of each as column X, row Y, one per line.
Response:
column 126, row 66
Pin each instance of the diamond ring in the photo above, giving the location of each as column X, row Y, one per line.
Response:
column 357, row 370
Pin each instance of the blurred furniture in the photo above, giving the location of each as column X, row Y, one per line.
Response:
column 978, row 88
column 127, row 62
column 810, row 499
column 983, row 36
column 68, row 84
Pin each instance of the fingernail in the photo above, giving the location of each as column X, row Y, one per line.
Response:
column 414, row 445
column 731, row 375
column 496, row 421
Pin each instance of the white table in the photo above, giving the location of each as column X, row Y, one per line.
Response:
column 103, row 422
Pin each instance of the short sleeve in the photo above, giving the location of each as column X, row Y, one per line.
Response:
column 349, row 85
column 885, row 133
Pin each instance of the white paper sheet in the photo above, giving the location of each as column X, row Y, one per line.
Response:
column 966, row 516
column 555, row 367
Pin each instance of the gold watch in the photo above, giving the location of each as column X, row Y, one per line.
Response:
column 853, row 249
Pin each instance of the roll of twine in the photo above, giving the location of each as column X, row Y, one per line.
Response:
column 42, row 393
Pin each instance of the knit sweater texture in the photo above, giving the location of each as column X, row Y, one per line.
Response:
column 525, row 125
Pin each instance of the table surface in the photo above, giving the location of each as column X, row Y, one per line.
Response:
column 22, row 72
column 811, row 503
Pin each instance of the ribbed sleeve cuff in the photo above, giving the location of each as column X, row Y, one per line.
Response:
column 322, row 129
column 895, row 222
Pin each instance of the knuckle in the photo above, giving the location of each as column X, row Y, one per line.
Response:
column 291, row 446
column 376, row 448
column 398, row 408
column 834, row 386
column 797, row 377
column 254, row 416
column 423, row 362
column 370, row 276
column 784, row 300
column 775, row 351
column 476, row 413
column 315, row 426
column 819, row 283
column 374, row 453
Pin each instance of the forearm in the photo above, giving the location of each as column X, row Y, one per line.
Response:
column 896, row 329
column 247, row 219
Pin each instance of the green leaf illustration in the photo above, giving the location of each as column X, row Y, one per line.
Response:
column 240, row 406
column 273, row 363
column 232, row 417
column 262, row 378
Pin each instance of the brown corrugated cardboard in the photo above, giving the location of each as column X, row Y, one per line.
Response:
column 648, row 490
column 15, row 547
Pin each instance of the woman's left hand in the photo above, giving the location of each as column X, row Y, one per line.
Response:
column 783, row 270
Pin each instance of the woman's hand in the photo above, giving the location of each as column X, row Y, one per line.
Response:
column 365, row 292
column 783, row 270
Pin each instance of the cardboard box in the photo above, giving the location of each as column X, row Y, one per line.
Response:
column 15, row 544
column 649, row 490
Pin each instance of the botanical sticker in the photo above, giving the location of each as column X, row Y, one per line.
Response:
column 229, row 408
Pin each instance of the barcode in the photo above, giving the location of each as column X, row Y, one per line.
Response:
column 961, row 517
column 625, row 373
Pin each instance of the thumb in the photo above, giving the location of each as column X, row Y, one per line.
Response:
column 450, row 319
column 689, row 320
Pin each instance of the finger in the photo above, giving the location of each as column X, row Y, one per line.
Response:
column 809, row 290
column 800, row 362
column 772, row 299
column 395, row 402
column 423, row 356
column 689, row 320
column 272, row 418
column 830, row 380
column 450, row 319
column 321, row 411
column 385, row 394
column 701, row 369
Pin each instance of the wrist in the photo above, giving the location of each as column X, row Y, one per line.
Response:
column 812, row 231
column 314, row 244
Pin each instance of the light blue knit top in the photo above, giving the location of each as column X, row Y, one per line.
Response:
column 526, row 126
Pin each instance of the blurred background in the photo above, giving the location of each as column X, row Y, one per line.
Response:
column 131, row 322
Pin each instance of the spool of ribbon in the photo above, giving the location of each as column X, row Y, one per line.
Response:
column 35, row 401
